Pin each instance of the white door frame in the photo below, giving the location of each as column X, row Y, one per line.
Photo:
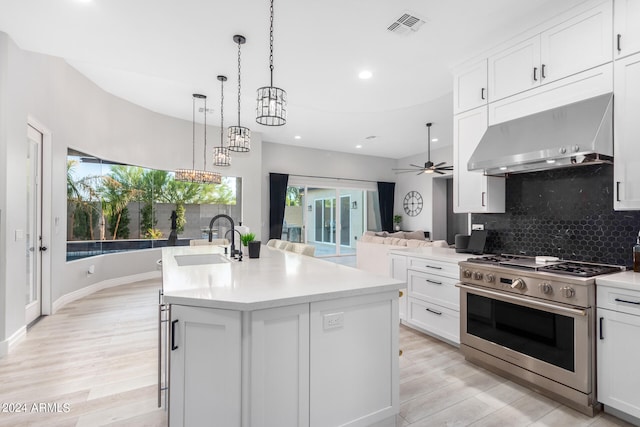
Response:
column 46, row 303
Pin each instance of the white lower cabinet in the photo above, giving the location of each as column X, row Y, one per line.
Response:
column 433, row 299
column 279, row 386
column 354, row 364
column 618, row 349
column 322, row 364
column 205, row 367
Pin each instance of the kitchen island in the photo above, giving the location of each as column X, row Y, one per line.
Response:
column 281, row 340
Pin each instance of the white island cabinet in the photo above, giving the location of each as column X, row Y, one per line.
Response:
column 282, row 340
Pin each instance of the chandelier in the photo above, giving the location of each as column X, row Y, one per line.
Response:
column 194, row 175
column 239, row 136
column 221, row 155
column 272, row 101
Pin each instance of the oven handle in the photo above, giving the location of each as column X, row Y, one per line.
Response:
column 523, row 301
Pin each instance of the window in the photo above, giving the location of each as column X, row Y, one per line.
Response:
column 113, row 207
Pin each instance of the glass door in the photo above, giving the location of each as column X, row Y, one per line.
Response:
column 33, row 308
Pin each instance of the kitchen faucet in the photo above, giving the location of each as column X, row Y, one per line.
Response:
column 240, row 245
column 233, row 227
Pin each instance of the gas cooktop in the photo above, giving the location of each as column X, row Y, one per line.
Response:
column 562, row 267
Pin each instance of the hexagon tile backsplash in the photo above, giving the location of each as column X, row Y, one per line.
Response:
column 563, row 212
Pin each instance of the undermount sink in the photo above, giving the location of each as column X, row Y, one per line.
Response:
column 200, row 259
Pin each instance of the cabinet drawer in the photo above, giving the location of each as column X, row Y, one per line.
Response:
column 437, row 289
column 449, row 269
column 622, row 300
column 435, row 319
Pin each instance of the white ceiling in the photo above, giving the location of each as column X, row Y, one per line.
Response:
column 156, row 53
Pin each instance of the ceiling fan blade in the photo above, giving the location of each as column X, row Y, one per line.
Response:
column 416, row 166
column 420, row 173
column 446, row 168
column 407, row 171
column 439, row 164
column 438, row 172
column 403, row 169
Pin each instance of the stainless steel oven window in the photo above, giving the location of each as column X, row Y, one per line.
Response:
column 540, row 334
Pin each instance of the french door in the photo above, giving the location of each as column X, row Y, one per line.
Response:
column 331, row 219
column 33, row 234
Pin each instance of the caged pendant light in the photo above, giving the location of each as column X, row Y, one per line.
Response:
column 239, row 136
column 221, row 155
column 272, row 101
column 194, row 175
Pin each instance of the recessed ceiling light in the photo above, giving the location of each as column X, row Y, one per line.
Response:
column 359, row 146
column 551, row 161
column 365, row 74
column 434, row 139
column 297, row 137
column 503, row 168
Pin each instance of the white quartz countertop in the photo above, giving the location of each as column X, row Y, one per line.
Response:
column 622, row 280
column 440, row 254
column 277, row 278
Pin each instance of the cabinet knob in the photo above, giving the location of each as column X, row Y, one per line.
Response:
column 400, row 294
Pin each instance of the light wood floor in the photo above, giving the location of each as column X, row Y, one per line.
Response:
column 98, row 355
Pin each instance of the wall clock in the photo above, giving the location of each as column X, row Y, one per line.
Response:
column 413, row 203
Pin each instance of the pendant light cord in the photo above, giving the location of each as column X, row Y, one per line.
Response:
column 205, row 135
column 271, row 42
column 239, row 86
column 193, row 135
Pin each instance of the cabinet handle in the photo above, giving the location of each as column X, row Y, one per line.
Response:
column 617, row 191
column 482, row 93
column 434, row 267
column 627, row 302
column 173, row 335
column 483, row 193
column 439, row 313
column 535, row 74
column 433, row 281
column 601, row 320
column 618, row 42
column 542, row 72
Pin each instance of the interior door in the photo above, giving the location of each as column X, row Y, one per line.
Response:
column 34, row 245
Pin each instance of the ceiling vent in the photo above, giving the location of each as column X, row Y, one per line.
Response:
column 406, row 24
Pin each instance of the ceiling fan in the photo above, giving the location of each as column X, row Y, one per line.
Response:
column 428, row 167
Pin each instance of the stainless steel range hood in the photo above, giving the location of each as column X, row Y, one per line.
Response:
column 574, row 134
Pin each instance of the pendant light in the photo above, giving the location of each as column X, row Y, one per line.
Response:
column 272, row 101
column 221, row 156
column 239, row 136
column 193, row 175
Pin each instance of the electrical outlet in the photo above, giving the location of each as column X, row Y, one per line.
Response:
column 333, row 321
column 477, row 226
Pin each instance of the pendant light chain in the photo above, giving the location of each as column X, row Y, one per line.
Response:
column 239, row 136
column 271, row 109
column 221, row 112
column 271, row 42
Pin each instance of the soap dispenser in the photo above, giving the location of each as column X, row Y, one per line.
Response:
column 636, row 255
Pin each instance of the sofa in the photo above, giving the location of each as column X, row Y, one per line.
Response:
column 372, row 248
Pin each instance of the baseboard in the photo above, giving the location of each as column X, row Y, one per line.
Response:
column 109, row 283
column 9, row 343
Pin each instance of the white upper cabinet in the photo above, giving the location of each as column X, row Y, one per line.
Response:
column 626, row 165
column 515, row 69
column 470, row 87
column 626, row 26
column 473, row 191
column 579, row 43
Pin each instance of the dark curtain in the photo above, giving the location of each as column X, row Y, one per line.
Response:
column 277, row 199
column 386, row 191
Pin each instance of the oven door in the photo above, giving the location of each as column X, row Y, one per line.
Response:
column 549, row 339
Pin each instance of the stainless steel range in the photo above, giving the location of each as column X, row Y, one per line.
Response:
column 533, row 322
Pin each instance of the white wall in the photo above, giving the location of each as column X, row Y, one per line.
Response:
column 82, row 116
column 279, row 158
column 423, row 184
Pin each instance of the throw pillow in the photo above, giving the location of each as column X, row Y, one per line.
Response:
column 415, row 235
